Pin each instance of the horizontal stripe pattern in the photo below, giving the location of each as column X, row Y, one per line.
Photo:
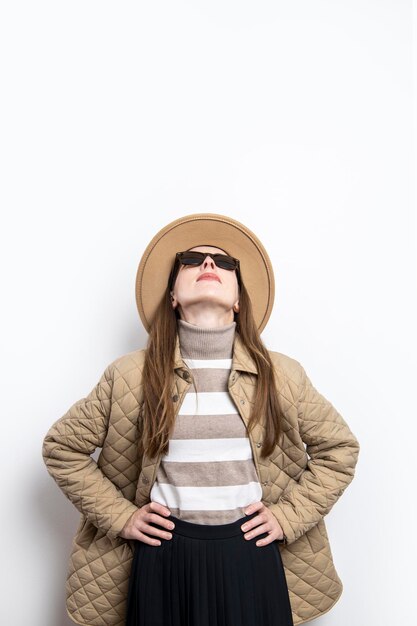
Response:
column 208, row 402
column 208, row 475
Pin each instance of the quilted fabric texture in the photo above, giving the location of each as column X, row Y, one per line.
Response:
column 301, row 481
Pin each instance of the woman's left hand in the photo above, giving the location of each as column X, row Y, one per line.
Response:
column 264, row 522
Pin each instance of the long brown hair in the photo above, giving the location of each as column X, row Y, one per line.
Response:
column 158, row 411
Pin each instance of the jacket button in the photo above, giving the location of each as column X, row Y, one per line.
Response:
column 265, row 482
column 259, row 444
column 242, row 401
column 145, row 480
column 175, row 398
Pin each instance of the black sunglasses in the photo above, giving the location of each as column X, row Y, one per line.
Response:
column 194, row 258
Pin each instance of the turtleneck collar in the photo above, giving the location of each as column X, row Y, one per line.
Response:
column 197, row 342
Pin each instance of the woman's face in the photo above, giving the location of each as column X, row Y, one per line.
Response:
column 206, row 301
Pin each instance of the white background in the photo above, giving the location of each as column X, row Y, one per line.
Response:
column 295, row 118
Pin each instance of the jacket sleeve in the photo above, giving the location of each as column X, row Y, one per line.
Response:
column 66, row 451
column 333, row 452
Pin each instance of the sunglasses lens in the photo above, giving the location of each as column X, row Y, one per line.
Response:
column 191, row 259
column 225, row 262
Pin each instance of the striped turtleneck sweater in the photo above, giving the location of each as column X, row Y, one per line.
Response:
column 208, row 475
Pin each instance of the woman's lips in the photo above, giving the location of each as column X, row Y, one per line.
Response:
column 208, row 277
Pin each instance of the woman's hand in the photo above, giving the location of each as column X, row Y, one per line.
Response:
column 264, row 522
column 138, row 524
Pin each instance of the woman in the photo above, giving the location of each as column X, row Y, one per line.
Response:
column 204, row 507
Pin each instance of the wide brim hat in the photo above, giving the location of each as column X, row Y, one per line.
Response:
column 205, row 229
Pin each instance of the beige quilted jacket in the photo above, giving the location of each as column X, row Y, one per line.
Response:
column 301, row 481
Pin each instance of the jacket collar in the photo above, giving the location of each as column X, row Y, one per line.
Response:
column 241, row 360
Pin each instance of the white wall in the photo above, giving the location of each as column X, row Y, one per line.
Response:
column 295, row 118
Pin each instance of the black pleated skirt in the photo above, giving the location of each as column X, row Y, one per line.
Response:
column 208, row 575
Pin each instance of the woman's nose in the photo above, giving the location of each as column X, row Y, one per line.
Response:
column 208, row 258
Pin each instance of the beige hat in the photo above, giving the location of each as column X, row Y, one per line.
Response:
column 205, row 229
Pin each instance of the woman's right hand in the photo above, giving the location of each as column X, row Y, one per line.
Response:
column 137, row 526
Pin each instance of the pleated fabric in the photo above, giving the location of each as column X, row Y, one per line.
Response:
column 208, row 575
